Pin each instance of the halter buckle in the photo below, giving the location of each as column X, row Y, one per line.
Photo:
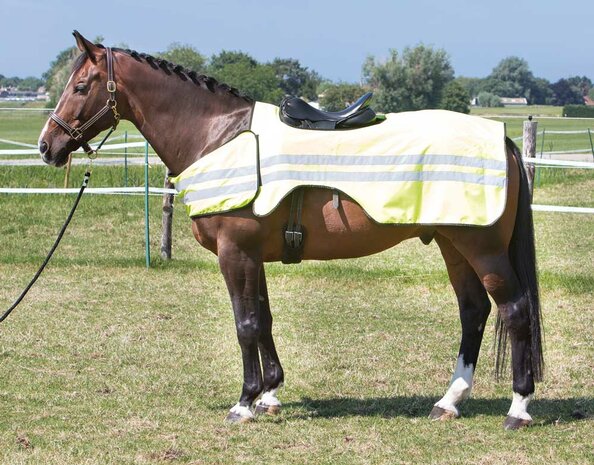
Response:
column 113, row 105
column 111, row 87
column 76, row 133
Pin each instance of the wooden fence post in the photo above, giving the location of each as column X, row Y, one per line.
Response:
column 167, row 219
column 529, row 149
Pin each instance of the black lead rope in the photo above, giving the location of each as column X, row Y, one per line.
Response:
column 52, row 250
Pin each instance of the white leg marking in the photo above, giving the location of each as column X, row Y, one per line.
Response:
column 242, row 411
column 519, row 407
column 459, row 389
column 269, row 398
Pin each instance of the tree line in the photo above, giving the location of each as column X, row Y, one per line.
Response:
column 417, row 78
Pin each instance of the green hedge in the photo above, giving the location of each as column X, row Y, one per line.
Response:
column 578, row 111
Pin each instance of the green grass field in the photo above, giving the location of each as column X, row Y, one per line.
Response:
column 106, row 362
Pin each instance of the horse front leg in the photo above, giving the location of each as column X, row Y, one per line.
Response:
column 474, row 308
column 241, row 270
column 271, row 366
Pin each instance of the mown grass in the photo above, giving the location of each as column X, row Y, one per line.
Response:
column 106, row 362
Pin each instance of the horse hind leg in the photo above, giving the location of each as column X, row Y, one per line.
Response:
column 272, row 370
column 517, row 313
column 475, row 307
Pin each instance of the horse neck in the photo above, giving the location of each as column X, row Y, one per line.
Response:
column 181, row 120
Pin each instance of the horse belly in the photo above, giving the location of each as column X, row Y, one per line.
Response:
column 347, row 232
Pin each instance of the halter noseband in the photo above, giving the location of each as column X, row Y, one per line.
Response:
column 111, row 105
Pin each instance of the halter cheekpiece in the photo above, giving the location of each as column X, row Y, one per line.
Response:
column 111, row 105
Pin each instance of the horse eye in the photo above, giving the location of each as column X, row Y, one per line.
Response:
column 80, row 88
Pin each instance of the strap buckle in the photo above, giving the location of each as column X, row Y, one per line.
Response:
column 76, row 133
column 111, row 87
column 294, row 238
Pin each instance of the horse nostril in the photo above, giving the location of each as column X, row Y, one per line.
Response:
column 43, row 147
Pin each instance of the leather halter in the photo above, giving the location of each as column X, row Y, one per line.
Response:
column 111, row 105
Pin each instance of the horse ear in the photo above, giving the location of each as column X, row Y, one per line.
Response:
column 85, row 45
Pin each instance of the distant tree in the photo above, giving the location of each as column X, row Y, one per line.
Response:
column 255, row 80
column 582, row 84
column 455, row 98
column 487, row 99
column 412, row 81
column 296, row 79
column 186, row 56
column 542, row 93
column 30, row 83
column 591, row 93
column 502, row 88
column 13, row 81
column 566, row 94
column 226, row 57
column 336, row 97
column 472, row 85
column 512, row 78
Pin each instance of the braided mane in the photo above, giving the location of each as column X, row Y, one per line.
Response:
column 184, row 74
column 171, row 69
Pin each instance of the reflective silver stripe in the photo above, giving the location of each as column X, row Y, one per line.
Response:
column 215, row 175
column 399, row 176
column 213, row 192
column 391, row 160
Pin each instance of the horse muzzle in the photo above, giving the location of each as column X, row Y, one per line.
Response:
column 57, row 158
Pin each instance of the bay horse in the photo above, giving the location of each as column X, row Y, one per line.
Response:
column 185, row 116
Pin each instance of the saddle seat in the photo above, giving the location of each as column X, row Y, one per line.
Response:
column 299, row 114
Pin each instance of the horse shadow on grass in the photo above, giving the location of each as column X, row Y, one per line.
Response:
column 545, row 411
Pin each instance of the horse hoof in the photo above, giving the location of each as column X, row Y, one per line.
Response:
column 263, row 409
column 236, row 418
column 441, row 414
column 513, row 423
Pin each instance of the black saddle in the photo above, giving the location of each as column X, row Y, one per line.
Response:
column 299, row 114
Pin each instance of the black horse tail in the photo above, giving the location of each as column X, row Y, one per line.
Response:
column 523, row 258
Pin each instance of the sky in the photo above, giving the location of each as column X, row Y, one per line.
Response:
column 332, row 37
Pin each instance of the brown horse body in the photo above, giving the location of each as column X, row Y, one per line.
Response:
column 185, row 116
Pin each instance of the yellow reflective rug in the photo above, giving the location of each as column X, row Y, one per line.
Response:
column 423, row 167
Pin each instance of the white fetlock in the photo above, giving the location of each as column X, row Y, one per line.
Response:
column 449, row 407
column 519, row 407
column 269, row 398
column 460, row 388
column 242, row 411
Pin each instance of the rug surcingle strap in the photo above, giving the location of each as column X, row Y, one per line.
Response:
column 294, row 233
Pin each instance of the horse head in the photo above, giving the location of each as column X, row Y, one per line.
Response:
column 82, row 111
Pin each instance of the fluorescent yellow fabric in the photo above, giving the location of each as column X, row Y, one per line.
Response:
column 425, row 167
column 224, row 180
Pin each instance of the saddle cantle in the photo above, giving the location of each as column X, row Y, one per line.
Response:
column 299, row 114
